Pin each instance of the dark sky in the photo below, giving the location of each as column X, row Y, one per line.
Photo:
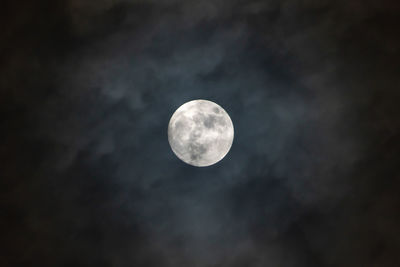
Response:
column 87, row 177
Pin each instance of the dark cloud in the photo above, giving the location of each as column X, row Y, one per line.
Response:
column 89, row 179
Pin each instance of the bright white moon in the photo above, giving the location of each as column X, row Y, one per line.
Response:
column 200, row 133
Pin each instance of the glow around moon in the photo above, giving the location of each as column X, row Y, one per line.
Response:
column 200, row 133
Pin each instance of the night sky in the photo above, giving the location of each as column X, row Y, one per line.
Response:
column 87, row 176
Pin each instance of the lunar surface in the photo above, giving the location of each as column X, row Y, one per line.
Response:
column 200, row 133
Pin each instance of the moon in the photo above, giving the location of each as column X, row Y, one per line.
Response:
column 200, row 133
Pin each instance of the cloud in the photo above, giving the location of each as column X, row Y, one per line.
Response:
column 87, row 157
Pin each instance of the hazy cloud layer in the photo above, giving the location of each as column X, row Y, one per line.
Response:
column 87, row 90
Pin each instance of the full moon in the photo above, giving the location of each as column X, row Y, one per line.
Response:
column 200, row 133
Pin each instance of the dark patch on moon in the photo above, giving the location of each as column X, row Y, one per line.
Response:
column 210, row 121
column 179, row 125
column 196, row 151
